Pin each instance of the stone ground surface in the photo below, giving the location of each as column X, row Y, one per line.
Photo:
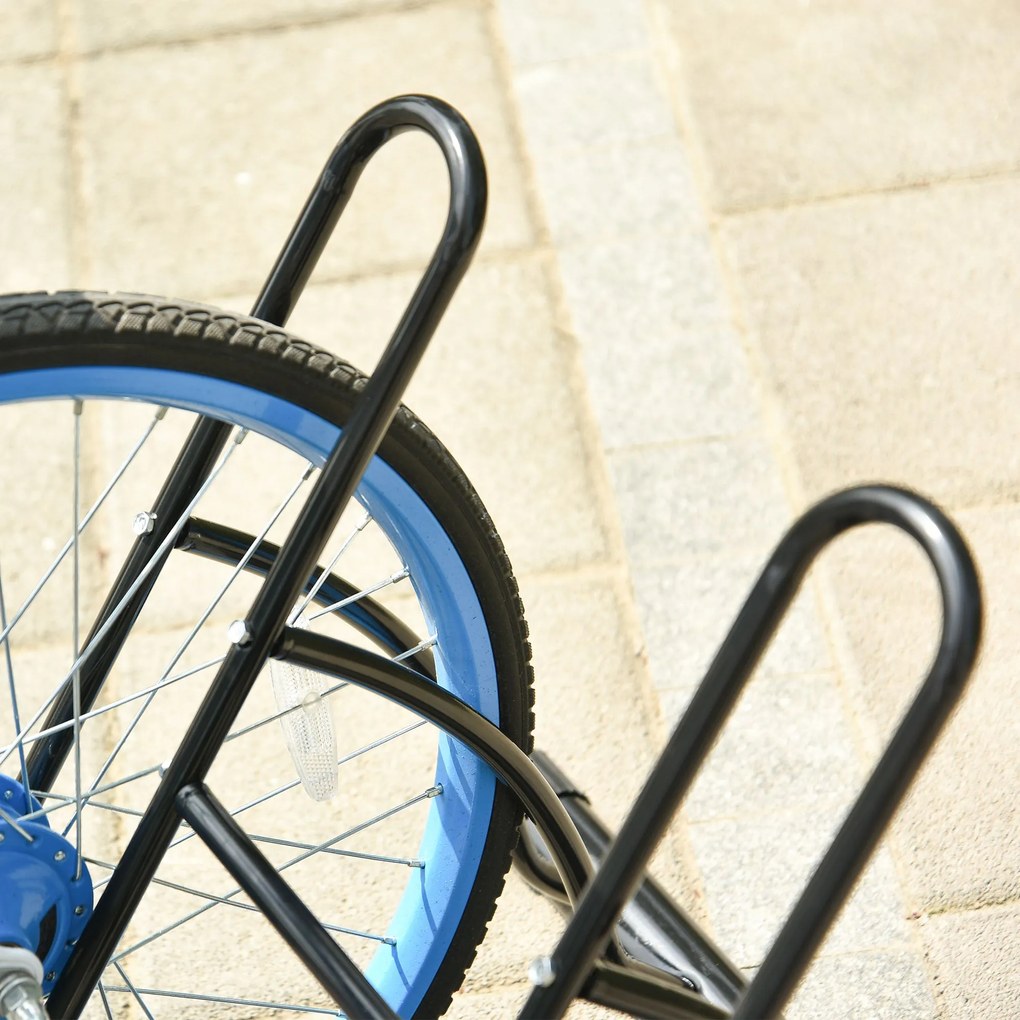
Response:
column 738, row 255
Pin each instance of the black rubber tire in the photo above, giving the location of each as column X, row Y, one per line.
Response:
column 75, row 328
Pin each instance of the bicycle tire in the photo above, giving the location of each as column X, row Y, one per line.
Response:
column 86, row 345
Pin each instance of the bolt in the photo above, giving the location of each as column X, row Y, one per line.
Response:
column 2, row 837
column 239, row 633
column 144, row 522
column 8, row 794
column 59, row 855
column 51, row 975
column 79, row 910
column 541, row 972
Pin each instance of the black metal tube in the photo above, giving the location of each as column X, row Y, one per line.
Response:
column 652, row 928
column 332, row 967
column 637, row 993
column 590, row 928
column 332, row 491
column 404, row 686
column 227, row 545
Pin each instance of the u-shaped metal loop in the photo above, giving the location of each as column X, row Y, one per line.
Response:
column 712, row 702
column 333, row 190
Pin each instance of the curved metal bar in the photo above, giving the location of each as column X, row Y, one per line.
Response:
column 221, row 544
column 591, row 925
column 336, row 184
column 372, row 414
column 410, row 689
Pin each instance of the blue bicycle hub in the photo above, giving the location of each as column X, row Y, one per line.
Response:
column 45, row 896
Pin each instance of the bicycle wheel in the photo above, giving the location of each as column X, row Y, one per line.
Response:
column 406, row 860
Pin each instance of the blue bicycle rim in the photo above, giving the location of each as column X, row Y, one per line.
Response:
column 433, row 902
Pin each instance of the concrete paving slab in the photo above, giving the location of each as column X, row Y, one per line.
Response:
column 102, row 25
column 34, row 179
column 661, row 358
column 851, row 299
column 708, row 498
column 30, row 29
column 295, row 92
column 884, row 984
column 687, row 608
column 753, row 869
column 972, row 954
column 787, row 745
column 795, row 102
column 537, row 32
column 592, row 102
column 602, row 191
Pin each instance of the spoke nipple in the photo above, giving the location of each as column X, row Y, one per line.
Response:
column 240, row 437
column 161, row 413
column 239, row 633
column 400, row 575
column 2, row 837
column 78, row 406
column 59, row 855
column 144, row 522
column 435, row 791
column 163, row 767
column 541, row 973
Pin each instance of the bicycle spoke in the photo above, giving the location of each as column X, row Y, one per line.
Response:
column 410, row 862
column 93, row 510
column 75, row 638
column 321, row 580
column 126, row 700
column 235, row 573
column 294, row 783
column 227, row 1000
column 163, row 547
column 396, row 578
column 251, row 908
column 428, row 794
column 134, row 991
column 16, row 715
column 105, row 1000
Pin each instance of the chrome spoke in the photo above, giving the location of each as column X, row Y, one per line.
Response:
column 395, row 578
column 328, row 569
column 409, row 862
column 93, row 510
column 235, row 573
column 105, row 1000
column 75, row 637
column 422, row 646
column 163, row 547
column 131, row 988
column 16, row 715
column 49, row 731
column 227, row 1000
column 251, row 908
column 294, row 783
column 428, row 794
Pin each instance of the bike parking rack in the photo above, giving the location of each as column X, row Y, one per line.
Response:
column 590, row 960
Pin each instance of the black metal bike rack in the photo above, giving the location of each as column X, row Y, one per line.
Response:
column 662, row 965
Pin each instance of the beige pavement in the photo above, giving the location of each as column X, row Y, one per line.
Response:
column 738, row 255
